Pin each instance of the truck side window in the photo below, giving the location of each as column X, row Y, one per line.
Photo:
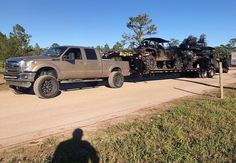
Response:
column 90, row 54
column 76, row 51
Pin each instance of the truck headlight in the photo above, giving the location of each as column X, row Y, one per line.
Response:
column 22, row 65
column 29, row 66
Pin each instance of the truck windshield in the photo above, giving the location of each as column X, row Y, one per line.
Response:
column 54, row 52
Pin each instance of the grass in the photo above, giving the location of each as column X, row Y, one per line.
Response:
column 200, row 129
column 3, row 86
column 1, row 66
column 195, row 131
column 1, row 63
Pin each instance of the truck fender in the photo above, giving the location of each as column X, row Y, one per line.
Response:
column 52, row 66
column 115, row 68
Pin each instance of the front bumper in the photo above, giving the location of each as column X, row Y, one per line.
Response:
column 24, row 79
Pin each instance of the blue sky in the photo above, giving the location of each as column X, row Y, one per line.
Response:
column 96, row 22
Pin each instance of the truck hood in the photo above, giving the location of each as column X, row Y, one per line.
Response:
column 30, row 58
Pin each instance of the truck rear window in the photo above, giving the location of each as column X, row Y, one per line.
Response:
column 90, row 54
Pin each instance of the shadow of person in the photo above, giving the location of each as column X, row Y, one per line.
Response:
column 75, row 150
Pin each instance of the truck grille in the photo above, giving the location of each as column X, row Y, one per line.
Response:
column 12, row 66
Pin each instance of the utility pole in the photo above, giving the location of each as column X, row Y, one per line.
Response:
column 221, row 80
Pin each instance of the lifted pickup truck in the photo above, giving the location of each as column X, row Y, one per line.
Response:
column 65, row 63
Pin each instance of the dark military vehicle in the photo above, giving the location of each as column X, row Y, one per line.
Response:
column 152, row 54
column 195, row 53
column 225, row 63
column 156, row 55
column 160, row 53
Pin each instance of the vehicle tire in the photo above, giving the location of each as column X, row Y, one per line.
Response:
column 116, row 79
column 160, row 64
column 18, row 90
column 203, row 74
column 170, row 64
column 225, row 70
column 150, row 62
column 210, row 73
column 46, row 86
column 178, row 64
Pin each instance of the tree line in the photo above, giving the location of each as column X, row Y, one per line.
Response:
column 226, row 50
column 17, row 43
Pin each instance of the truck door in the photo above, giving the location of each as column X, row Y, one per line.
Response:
column 93, row 63
column 73, row 69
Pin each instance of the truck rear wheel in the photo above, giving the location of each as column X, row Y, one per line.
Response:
column 116, row 79
column 46, row 86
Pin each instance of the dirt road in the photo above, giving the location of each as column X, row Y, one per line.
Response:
column 26, row 117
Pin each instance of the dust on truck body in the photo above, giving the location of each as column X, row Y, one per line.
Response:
column 65, row 63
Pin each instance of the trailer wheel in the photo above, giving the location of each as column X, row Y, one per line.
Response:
column 210, row 73
column 46, row 86
column 116, row 79
column 225, row 70
column 203, row 74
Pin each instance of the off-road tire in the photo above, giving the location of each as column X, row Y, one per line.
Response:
column 211, row 73
column 203, row 74
column 170, row 64
column 178, row 64
column 46, row 86
column 116, row 79
column 18, row 90
column 225, row 70
column 150, row 62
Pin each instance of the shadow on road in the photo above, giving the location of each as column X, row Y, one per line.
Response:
column 80, row 85
column 146, row 78
column 129, row 79
column 75, row 150
column 132, row 79
column 205, row 84
column 194, row 93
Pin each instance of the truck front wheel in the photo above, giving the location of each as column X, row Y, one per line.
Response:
column 116, row 79
column 46, row 86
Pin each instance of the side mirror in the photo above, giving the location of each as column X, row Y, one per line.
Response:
column 70, row 57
